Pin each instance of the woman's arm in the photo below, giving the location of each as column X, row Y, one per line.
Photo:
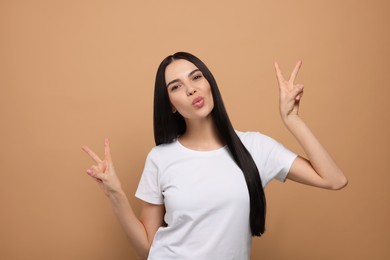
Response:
column 139, row 233
column 320, row 170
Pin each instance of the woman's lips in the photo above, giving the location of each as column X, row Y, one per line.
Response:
column 198, row 102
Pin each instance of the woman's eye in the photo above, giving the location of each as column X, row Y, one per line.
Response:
column 197, row 77
column 174, row 87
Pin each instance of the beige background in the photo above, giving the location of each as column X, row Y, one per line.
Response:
column 73, row 72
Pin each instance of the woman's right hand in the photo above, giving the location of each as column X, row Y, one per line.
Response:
column 103, row 172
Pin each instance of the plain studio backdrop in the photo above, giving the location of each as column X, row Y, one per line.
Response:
column 74, row 72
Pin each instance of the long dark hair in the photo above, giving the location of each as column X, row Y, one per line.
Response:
column 168, row 126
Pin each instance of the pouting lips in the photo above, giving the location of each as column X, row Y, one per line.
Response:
column 197, row 100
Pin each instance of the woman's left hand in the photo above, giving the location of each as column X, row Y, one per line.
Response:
column 290, row 94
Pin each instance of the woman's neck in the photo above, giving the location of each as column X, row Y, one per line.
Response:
column 201, row 135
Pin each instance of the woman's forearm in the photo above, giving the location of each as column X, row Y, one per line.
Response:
column 133, row 227
column 319, row 158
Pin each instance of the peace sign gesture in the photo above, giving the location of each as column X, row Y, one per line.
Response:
column 290, row 94
column 103, row 172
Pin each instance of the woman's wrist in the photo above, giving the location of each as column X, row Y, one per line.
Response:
column 288, row 120
column 115, row 195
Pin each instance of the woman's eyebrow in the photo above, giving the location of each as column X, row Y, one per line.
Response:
column 189, row 75
column 192, row 72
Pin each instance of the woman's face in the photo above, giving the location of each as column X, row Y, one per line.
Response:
column 188, row 90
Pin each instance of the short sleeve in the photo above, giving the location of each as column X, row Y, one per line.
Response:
column 273, row 160
column 148, row 188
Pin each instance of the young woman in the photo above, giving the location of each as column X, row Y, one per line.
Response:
column 202, row 186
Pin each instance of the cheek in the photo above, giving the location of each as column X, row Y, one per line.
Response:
column 175, row 101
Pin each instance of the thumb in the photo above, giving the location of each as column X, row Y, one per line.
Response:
column 298, row 91
column 93, row 172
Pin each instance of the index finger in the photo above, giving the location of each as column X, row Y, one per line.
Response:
column 92, row 154
column 107, row 151
column 278, row 72
column 295, row 71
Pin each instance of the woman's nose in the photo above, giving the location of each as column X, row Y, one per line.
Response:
column 190, row 91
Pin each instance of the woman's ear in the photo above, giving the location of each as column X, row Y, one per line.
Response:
column 174, row 110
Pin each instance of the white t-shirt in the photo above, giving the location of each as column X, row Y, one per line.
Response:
column 206, row 197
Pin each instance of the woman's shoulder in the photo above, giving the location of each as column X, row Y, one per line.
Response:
column 159, row 154
column 245, row 135
column 163, row 148
column 249, row 138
